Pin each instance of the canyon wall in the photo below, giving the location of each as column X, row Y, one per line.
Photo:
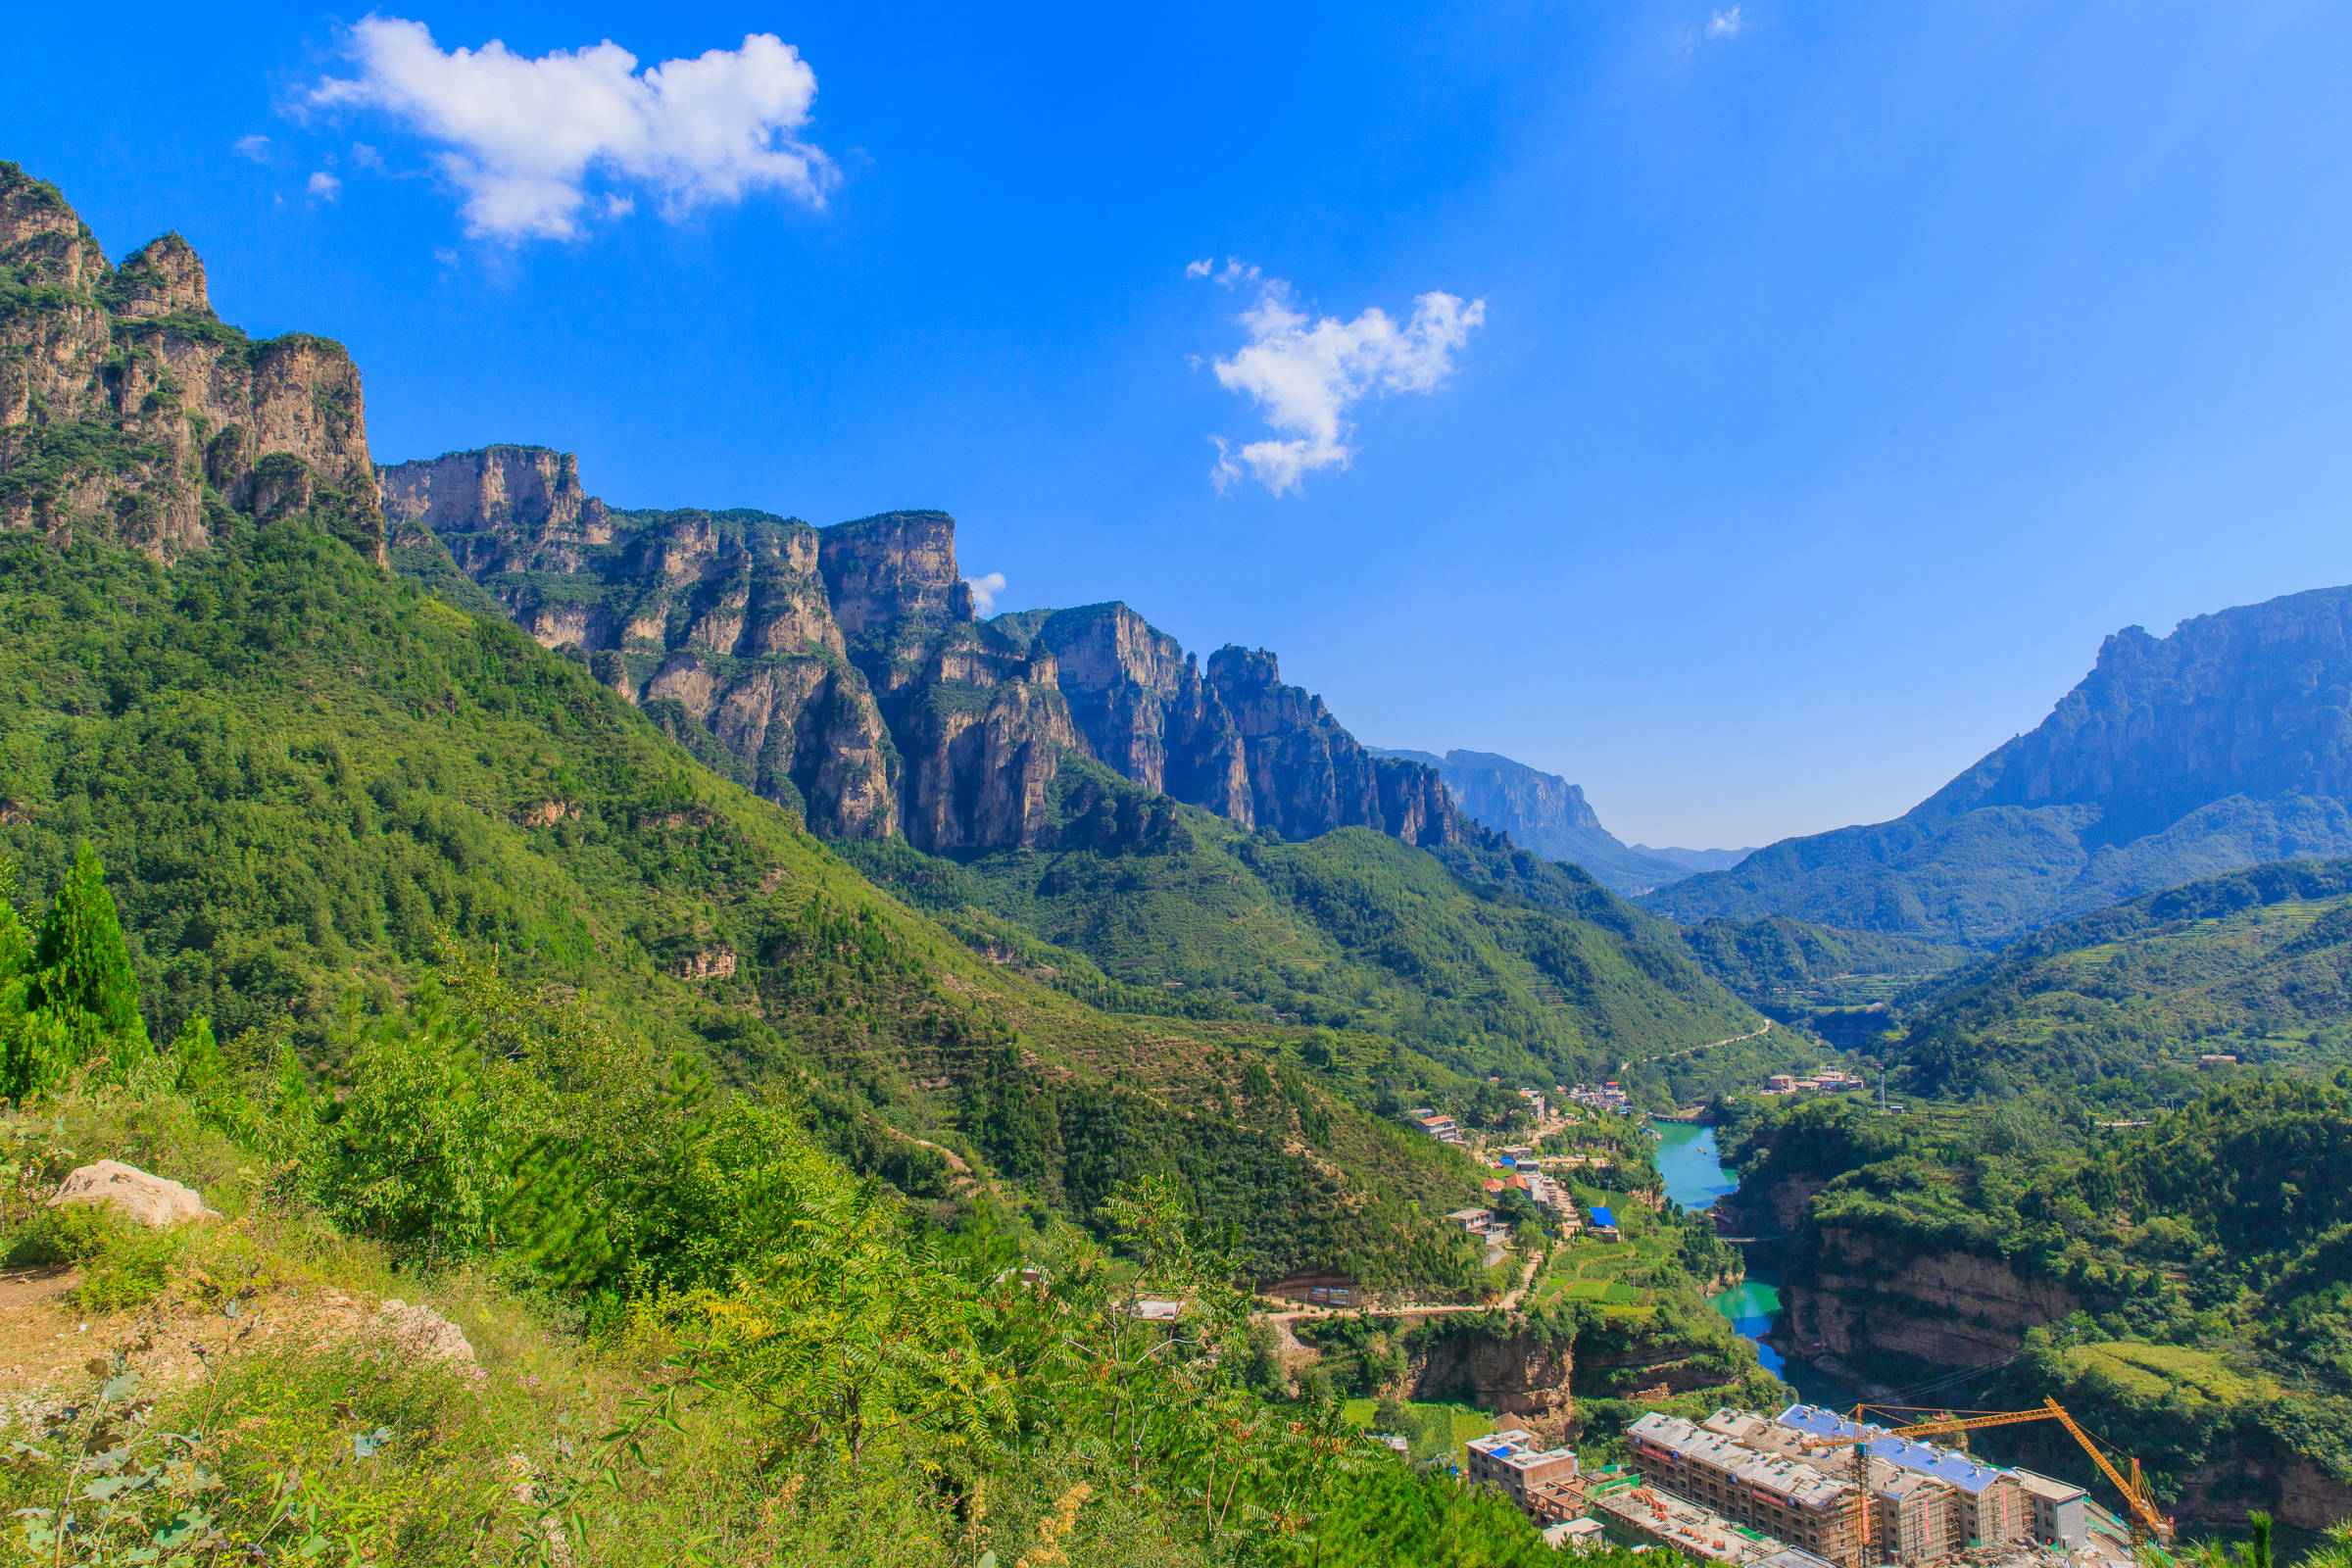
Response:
column 843, row 668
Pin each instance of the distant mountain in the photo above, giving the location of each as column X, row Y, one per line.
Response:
column 1693, row 861
column 2227, row 743
column 1545, row 813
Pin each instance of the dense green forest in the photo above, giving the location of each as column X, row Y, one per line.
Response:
column 302, row 773
column 1794, row 968
column 2203, row 1255
column 694, row 1336
column 1487, row 962
column 2118, row 1007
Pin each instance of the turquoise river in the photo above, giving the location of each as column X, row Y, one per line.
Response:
column 1696, row 1178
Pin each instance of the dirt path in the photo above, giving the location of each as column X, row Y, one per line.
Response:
column 1510, row 1301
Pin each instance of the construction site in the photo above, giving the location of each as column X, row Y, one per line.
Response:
column 1811, row 1486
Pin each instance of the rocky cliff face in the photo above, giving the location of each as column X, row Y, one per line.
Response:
column 839, row 667
column 1862, row 1298
column 1234, row 739
column 1544, row 812
column 126, row 404
column 725, row 613
column 843, row 669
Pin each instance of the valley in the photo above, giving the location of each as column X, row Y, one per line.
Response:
column 878, row 1056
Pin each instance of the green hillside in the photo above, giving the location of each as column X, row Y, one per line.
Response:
column 1791, row 967
column 2120, row 1005
column 302, row 773
column 1488, row 963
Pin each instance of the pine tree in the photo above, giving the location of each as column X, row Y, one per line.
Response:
column 83, row 965
column 16, row 984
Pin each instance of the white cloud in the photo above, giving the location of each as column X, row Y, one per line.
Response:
column 524, row 136
column 256, row 148
column 1726, row 24
column 984, row 592
column 324, row 186
column 1234, row 272
column 1304, row 374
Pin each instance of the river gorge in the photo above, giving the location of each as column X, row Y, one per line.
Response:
column 1697, row 1179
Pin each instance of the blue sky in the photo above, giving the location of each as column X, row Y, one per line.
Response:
column 1818, row 383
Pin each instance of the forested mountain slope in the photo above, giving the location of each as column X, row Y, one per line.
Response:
column 1489, row 961
column 2224, row 744
column 306, row 773
column 2255, row 964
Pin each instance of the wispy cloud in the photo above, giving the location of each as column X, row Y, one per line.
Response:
column 984, row 592
column 324, row 187
column 1305, row 372
column 1234, row 272
column 523, row 137
column 256, row 148
column 1728, row 23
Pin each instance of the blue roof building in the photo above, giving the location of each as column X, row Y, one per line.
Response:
column 1603, row 1217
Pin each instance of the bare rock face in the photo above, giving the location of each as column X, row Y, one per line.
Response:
column 894, row 568
column 1513, row 1375
column 843, row 671
column 502, row 508
column 1865, row 1298
column 1309, row 776
column 125, row 402
column 150, row 1200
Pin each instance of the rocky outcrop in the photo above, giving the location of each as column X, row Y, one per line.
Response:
column 1309, row 776
column 1860, row 1297
column 1515, row 1374
column 843, row 671
column 1544, row 812
column 126, row 403
column 722, row 613
column 154, row 1200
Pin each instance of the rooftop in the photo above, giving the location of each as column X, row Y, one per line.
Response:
column 1948, row 1465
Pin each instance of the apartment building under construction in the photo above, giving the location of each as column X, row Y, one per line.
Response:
column 1790, row 1477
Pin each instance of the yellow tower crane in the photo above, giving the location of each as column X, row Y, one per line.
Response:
column 2145, row 1520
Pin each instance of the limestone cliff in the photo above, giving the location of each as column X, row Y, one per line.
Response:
column 1236, row 741
column 841, row 668
column 844, row 673
column 126, row 403
column 1544, row 812
column 724, row 614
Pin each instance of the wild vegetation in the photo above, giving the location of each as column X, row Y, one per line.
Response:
column 2119, row 1008
column 695, row 1337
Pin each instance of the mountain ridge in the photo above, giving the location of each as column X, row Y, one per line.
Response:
column 847, row 672
column 1545, row 813
column 2224, row 744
